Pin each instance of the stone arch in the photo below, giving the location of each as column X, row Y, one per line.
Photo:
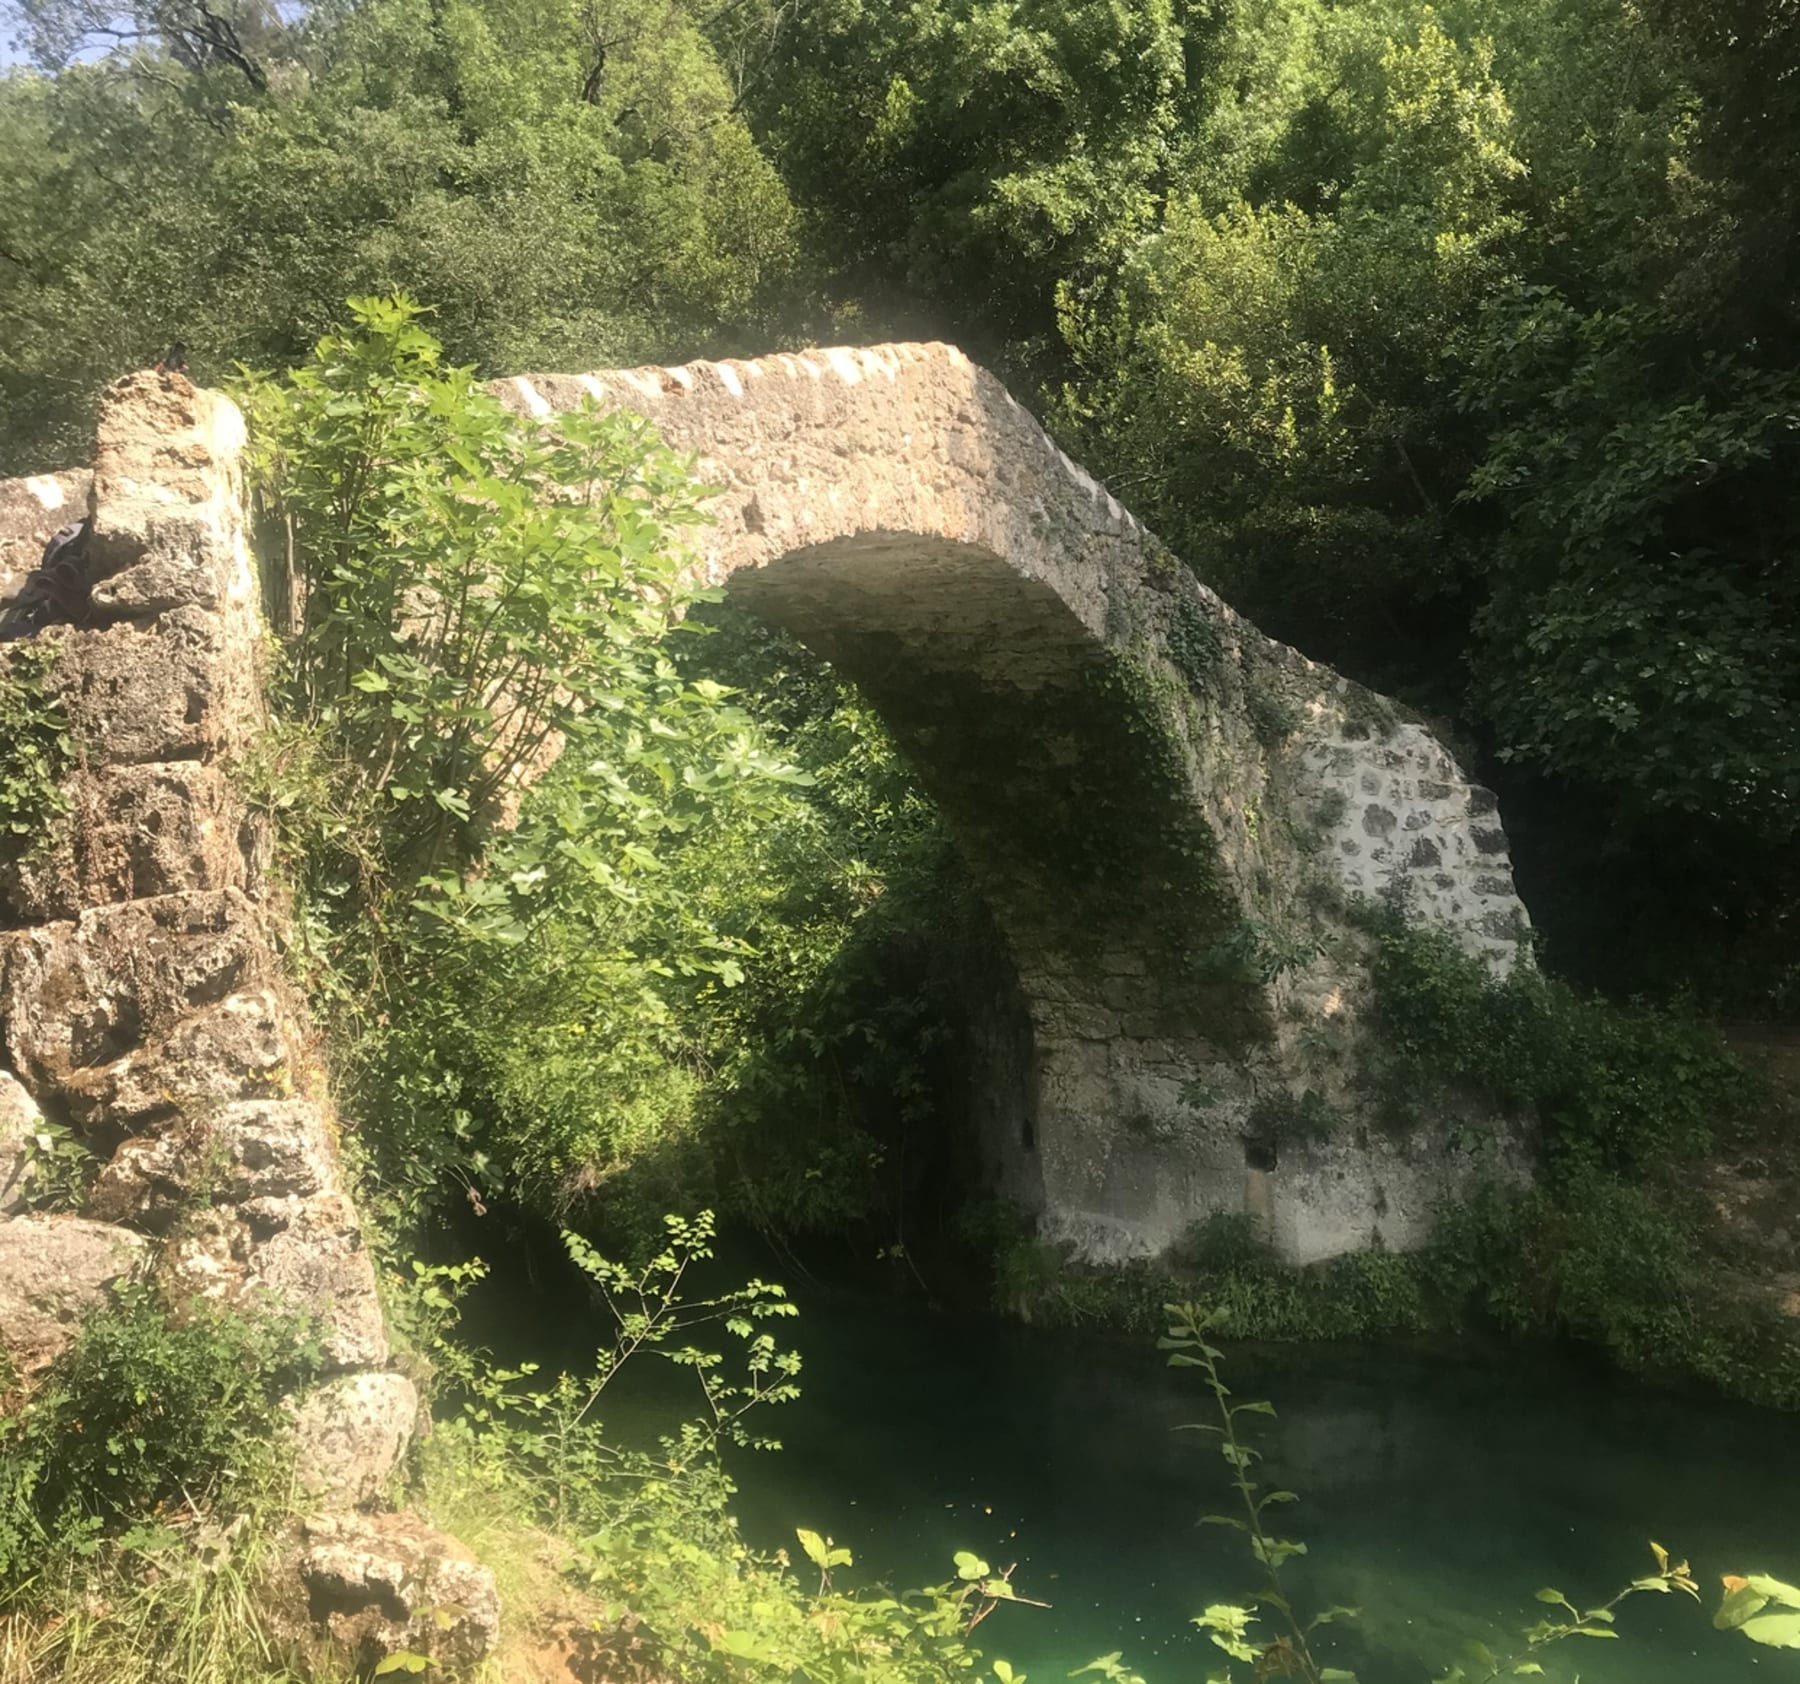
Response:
column 1167, row 811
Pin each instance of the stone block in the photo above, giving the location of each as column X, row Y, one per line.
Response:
column 306, row 1254
column 180, row 560
column 181, row 687
column 309, row 1253
column 53, row 1271
column 78, row 997
column 233, row 1049
column 387, row 1583
column 349, row 1436
column 164, row 447
column 231, row 1154
column 132, row 833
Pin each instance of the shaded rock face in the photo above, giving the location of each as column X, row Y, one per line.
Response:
column 1167, row 811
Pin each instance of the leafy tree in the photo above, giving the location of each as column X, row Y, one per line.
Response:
column 959, row 157
column 567, row 181
column 1272, row 375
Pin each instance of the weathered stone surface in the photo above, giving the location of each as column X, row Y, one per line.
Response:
column 228, row 1154
column 31, row 510
column 305, row 1253
column 140, row 997
column 19, row 1120
column 310, row 1253
column 380, row 1584
column 166, row 450
column 53, row 1270
column 78, row 997
column 179, row 687
column 183, row 563
column 232, row 1049
column 132, row 833
column 349, row 1436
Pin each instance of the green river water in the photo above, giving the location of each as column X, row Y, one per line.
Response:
column 1440, row 1491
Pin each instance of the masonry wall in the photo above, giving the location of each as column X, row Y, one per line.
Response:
column 143, row 1004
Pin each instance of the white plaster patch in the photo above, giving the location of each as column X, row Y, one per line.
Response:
column 813, row 371
column 643, row 383
column 843, row 365
column 728, row 379
column 533, row 401
column 957, row 359
column 593, row 386
column 682, row 376
column 46, row 491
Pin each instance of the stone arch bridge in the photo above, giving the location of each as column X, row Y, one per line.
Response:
column 1168, row 812
column 1170, row 815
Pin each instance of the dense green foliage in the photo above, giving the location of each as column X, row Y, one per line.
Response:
column 1612, row 1089
column 674, row 968
column 568, row 184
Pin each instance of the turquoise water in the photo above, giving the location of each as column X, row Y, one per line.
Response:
column 1439, row 1493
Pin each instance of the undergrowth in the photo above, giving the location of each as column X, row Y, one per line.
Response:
column 144, row 1489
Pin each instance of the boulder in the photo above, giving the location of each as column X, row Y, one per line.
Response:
column 349, row 1436
column 385, row 1584
column 53, row 1271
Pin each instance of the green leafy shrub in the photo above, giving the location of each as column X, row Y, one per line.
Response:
column 1623, row 1267
column 152, row 1405
column 36, row 752
column 650, row 1527
column 1616, row 1088
column 491, row 762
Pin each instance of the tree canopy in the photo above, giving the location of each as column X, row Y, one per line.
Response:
column 1456, row 344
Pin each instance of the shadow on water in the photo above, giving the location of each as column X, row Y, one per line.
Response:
column 1439, row 1491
